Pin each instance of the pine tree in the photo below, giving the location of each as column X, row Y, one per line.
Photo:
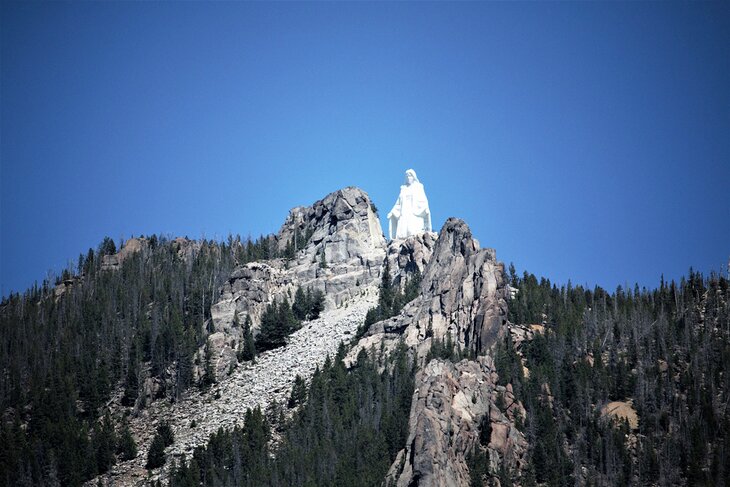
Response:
column 247, row 349
column 301, row 304
column 316, row 304
column 208, row 377
column 298, row 392
column 104, row 441
column 126, row 446
column 273, row 330
column 289, row 322
column 107, row 247
column 156, row 455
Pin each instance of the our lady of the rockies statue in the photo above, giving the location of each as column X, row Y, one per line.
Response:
column 410, row 214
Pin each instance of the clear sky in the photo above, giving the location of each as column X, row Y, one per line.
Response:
column 584, row 141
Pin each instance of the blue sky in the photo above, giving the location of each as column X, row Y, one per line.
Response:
column 583, row 141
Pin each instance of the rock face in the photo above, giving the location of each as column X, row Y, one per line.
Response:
column 449, row 403
column 342, row 253
column 410, row 254
column 463, row 295
column 343, row 225
column 344, row 234
column 131, row 247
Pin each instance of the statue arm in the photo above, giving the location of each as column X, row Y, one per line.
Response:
column 395, row 212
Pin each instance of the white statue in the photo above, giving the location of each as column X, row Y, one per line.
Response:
column 410, row 215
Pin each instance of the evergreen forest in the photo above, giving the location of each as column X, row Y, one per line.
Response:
column 68, row 344
column 666, row 351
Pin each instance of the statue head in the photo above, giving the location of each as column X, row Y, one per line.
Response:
column 411, row 177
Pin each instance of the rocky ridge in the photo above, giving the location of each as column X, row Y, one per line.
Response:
column 463, row 294
column 463, row 299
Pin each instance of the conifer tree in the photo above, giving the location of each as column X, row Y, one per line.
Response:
column 247, row 351
column 298, row 392
column 156, row 454
column 301, row 305
column 126, row 446
column 208, row 377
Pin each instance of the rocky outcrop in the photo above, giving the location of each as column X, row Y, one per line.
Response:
column 131, row 247
column 463, row 299
column 337, row 246
column 463, row 295
column 406, row 256
column 342, row 252
column 344, row 244
column 450, row 402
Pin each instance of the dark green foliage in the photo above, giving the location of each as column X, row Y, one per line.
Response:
column 443, row 349
column 297, row 242
column 478, row 462
column 238, row 457
column 298, row 393
column 63, row 355
column 277, row 322
column 390, row 300
column 300, row 306
column 126, row 446
column 165, row 432
column 103, row 442
column 508, row 363
column 247, row 349
column 131, row 382
column 347, row 432
column 163, row 438
column 208, row 377
column 316, row 304
column 485, row 430
column 272, row 332
column 308, row 305
column 600, row 347
column 107, row 247
column 156, row 454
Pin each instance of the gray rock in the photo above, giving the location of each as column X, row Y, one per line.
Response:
column 410, row 254
column 250, row 385
column 448, row 405
column 343, row 227
column 463, row 294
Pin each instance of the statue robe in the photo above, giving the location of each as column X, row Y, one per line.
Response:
column 410, row 215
